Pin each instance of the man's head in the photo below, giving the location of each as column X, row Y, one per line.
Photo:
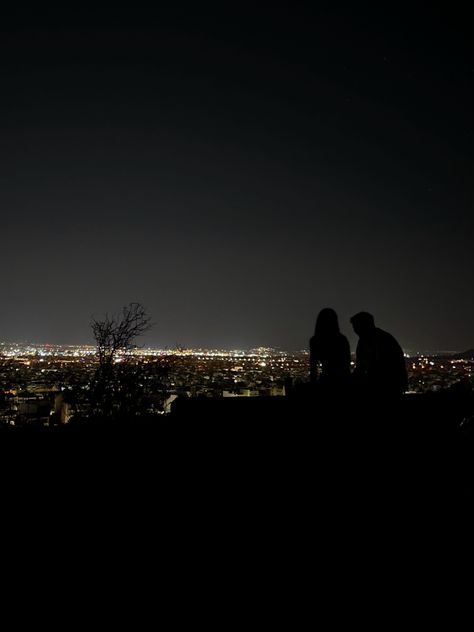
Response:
column 363, row 324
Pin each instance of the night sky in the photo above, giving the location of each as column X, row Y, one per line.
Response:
column 237, row 171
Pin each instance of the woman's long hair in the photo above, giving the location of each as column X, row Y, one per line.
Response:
column 327, row 324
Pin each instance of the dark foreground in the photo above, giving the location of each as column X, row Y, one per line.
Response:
column 243, row 511
column 231, row 504
column 290, row 451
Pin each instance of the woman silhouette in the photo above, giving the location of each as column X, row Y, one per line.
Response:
column 329, row 353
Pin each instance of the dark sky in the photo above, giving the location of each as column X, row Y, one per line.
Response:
column 236, row 171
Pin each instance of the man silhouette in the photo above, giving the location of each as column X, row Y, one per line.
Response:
column 380, row 363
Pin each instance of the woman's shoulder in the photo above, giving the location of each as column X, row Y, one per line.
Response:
column 343, row 341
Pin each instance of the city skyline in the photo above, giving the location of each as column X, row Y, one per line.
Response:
column 236, row 171
column 27, row 347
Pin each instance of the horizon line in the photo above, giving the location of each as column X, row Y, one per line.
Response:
column 214, row 348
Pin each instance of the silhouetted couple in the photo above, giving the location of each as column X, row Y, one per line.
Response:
column 380, row 369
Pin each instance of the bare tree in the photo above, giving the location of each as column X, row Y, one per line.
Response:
column 117, row 333
column 115, row 389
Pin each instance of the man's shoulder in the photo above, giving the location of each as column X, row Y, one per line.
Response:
column 386, row 337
